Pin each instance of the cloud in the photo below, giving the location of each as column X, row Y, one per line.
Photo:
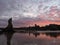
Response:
column 30, row 10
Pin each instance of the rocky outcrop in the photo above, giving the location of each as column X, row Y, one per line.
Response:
column 9, row 27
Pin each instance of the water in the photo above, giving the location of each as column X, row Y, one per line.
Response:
column 25, row 38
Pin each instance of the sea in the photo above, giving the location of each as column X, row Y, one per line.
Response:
column 29, row 38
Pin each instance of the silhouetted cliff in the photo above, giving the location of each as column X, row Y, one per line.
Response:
column 52, row 27
column 9, row 27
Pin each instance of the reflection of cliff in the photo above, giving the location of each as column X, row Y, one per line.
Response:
column 53, row 34
column 36, row 34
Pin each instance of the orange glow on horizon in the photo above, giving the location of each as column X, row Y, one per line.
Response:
column 40, row 23
column 43, row 23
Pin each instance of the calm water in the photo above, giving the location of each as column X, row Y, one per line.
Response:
column 30, row 39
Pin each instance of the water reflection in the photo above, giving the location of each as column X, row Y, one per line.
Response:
column 29, row 38
column 36, row 34
column 53, row 34
column 8, row 36
column 24, row 38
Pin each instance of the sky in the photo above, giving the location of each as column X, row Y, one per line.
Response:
column 29, row 12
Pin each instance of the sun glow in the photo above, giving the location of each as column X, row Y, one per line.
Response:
column 30, row 15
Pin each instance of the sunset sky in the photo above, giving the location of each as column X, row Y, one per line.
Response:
column 29, row 12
